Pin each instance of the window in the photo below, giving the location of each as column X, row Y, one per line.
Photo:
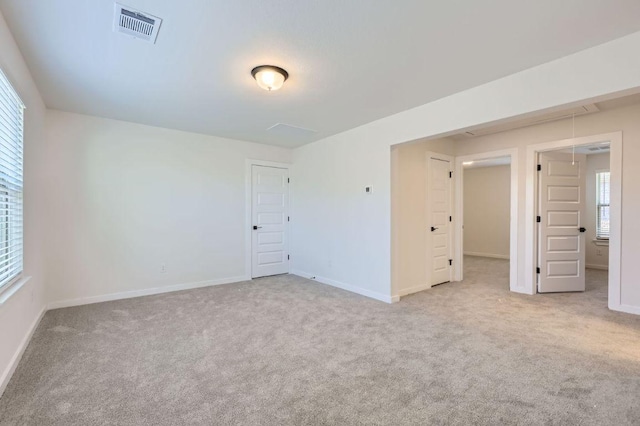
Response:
column 603, row 184
column 11, row 127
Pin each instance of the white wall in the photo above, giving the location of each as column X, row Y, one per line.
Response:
column 487, row 211
column 125, row 198
column 19, row 314
column 625, row 119
column 344, row 235
column 409, row 212
column 340, row 232
column 595, row 163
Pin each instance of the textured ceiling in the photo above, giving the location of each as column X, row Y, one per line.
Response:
column 350, row 62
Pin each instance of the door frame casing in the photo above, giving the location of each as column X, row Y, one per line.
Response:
column 458, row 218
column 452, row 168
column 248, row 202
column 615, row 242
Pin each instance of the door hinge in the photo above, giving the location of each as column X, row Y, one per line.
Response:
column 450, row 262
column 537, row 270
column 288, row 257
column 288, row 180
column 449, row 218
column 539, row 167
column 288, row 219
column 538, row 219
column 450, row 175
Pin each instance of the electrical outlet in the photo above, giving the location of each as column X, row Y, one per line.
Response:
column 163, row 268
column 368, row 189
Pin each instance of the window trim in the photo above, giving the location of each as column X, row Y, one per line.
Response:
column 12, row 286
column 598, row 205
column 8, row 290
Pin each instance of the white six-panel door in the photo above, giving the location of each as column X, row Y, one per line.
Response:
column 438, row 220
column 561, row 243
column 269, row 214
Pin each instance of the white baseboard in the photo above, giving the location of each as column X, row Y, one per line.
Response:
column 491, row 255
column 625, row 308
column 411, row 290
column 353, row 289
column 601, row 267
column 15, row 360
column 143, row 292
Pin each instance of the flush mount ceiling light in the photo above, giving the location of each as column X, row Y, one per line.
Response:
column 269, row 77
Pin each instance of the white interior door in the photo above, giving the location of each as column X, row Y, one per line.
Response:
column 438, row 220
column 561, row 237
column 269, row 213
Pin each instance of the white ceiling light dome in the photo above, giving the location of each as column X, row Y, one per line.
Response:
column 269, row 77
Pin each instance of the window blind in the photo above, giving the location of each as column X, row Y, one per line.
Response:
column 11, row 192
column 603, row 187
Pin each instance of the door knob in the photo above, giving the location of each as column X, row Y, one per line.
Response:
column 433, row 229
column 582, row 229
column 256, row 227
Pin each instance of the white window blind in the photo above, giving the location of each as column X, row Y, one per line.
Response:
column 603, row 187
column 11, row 132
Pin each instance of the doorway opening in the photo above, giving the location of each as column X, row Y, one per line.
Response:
column 267, row 219
column 523, row 141
column 574, row 219
column 546, row 243
column 486, row 220
column 439, row 216
column 486, row 212
column 421, row 257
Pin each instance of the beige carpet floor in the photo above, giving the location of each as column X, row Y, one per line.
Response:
column 288, row 351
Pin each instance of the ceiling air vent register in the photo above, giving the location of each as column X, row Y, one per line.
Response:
column 135, row 23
